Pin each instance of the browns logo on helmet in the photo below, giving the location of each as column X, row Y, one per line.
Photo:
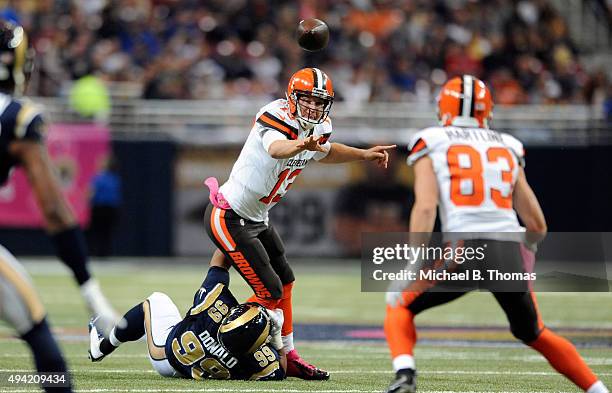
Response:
column 465, row 101
column 310, row 94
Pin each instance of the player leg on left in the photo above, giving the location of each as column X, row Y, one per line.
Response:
column 154, row 318
column 22, row 309
column 401, row 335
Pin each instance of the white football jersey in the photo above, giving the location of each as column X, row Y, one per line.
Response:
column 476, row 170
column 258, row 181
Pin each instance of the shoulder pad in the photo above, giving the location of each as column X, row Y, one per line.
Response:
column 24, row 119
column 515, row 146
column 276, row 117
column 423, row 142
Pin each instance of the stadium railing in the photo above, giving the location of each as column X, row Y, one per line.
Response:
column 228, row 122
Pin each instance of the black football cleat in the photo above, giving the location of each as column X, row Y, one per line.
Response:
column 404, row 382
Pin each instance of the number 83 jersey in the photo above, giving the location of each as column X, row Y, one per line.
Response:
column 476, row 170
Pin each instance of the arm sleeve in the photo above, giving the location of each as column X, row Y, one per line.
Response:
column 29, row 122
column 214, row 287
column 216, row 280
column 269, row 372
column 35, row 129
column 216, row 275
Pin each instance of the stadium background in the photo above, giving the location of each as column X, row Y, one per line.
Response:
column 177, row 85
column 171, row 88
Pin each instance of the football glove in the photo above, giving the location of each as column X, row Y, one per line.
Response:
column 276, row 324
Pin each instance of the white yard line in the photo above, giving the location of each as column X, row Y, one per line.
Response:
column 358, row 371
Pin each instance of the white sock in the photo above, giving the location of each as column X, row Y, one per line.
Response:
column 403, row 361
column 90, row 289
column 288, row 343
column 598, row 387
column 113, row 339
column 98, row 304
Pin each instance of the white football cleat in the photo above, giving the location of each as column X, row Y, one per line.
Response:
column 95, row 338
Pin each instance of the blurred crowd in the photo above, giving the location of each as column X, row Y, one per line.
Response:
column 380, row 50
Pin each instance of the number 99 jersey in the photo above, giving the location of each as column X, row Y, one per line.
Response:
column 192, row 347
column 476, row 170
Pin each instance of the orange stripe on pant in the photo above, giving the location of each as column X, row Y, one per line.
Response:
column 400, row 331
column 222, row 229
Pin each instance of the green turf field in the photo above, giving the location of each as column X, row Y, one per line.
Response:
column 327, row 294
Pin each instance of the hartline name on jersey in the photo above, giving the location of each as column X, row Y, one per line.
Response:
column 473, row 134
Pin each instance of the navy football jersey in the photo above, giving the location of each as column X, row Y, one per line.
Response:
column 192, row 347
column 19, row 120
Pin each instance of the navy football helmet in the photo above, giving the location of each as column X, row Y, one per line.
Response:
column 245, row 328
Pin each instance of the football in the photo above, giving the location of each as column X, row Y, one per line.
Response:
column 312, row 34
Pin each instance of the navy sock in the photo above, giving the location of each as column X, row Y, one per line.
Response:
column 106, row 347
column 134, row 328
column 47, row 355
column 71, row 249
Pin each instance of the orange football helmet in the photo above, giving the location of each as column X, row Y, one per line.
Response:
column 304, row 85
column 465, row 101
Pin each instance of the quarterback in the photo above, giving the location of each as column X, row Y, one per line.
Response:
column 217, row 339
column 476, row 177
column 287, row 134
